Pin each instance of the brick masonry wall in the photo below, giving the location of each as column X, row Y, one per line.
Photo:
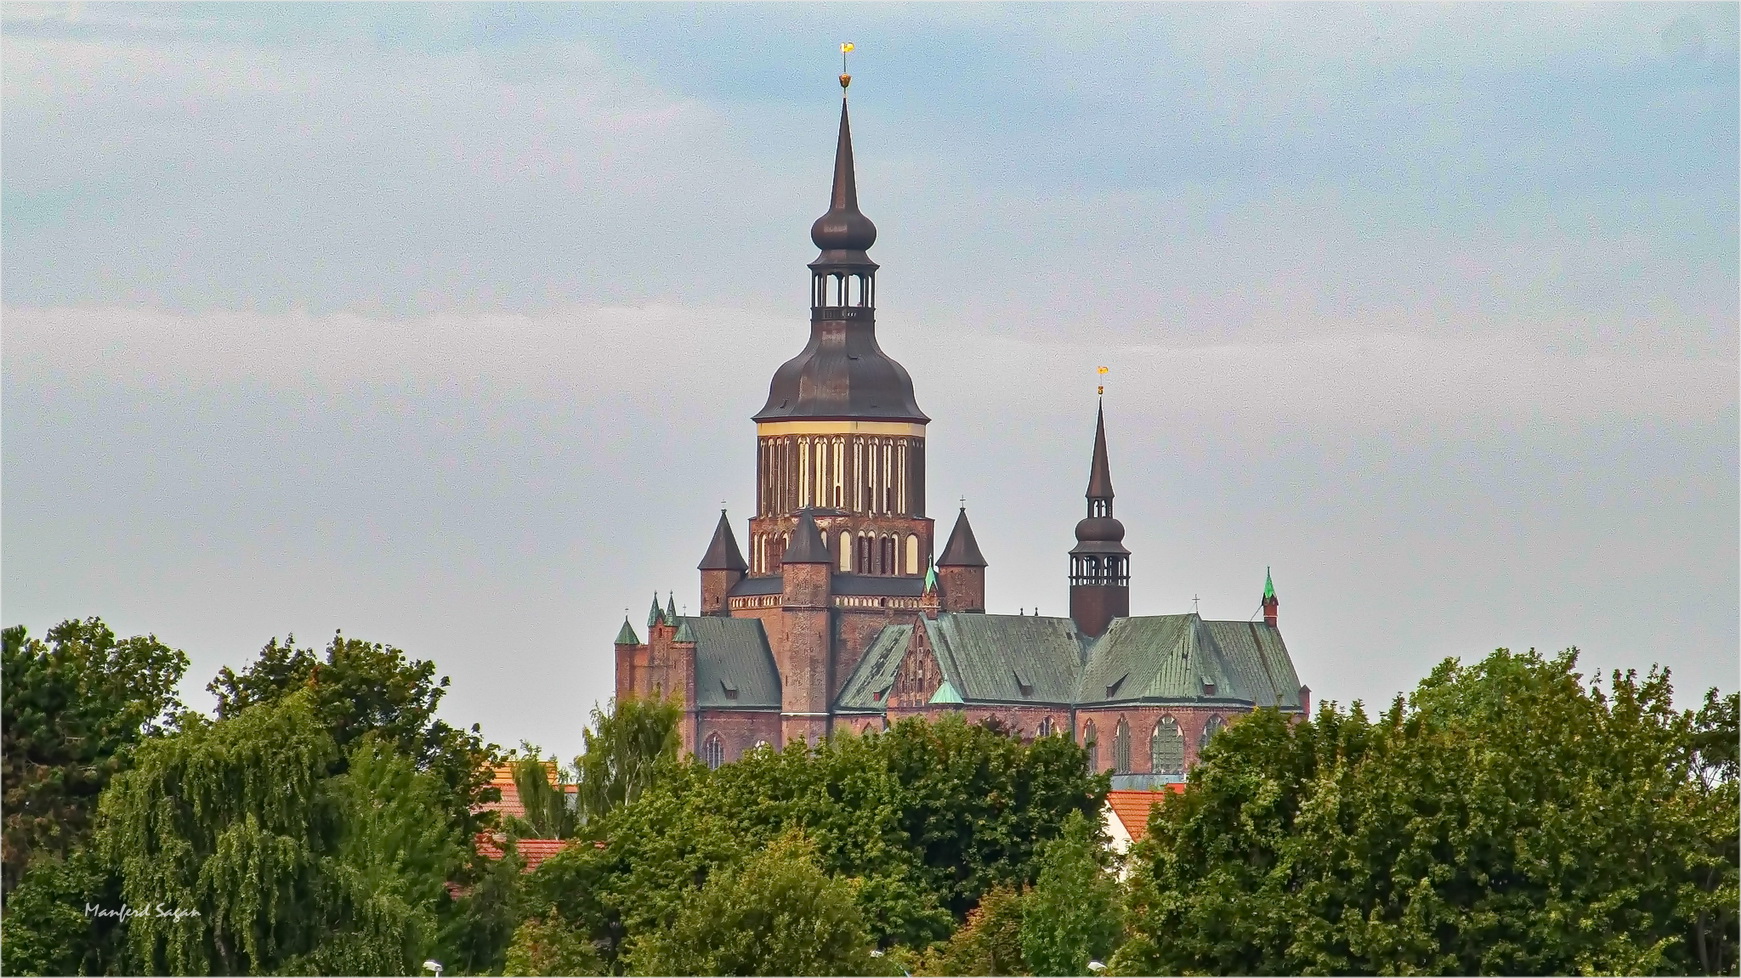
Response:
column 738, row 730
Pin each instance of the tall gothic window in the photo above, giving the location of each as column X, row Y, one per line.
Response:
column 1121, row 748
column 1046, row 727
column 1210, row 729
column 713, row 751
column 1167, row 748
column 1090, row 741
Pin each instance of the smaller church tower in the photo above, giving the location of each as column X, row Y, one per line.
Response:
column 1270, row 604
column 1099, row 563
column 961, row 569
column 803, row 657
column 722, row 567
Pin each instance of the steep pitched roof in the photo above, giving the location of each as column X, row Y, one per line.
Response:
column 867, row 689
column 1183, row 659
column 722, row 550
column 1132, row 808
column 657, row 615
column 962, row 550
column 806, row 546
column 734, row 668
column 1100, row 473
column 993, row 657
column 626, row 634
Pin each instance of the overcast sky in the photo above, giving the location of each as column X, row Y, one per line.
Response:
column 442, row 325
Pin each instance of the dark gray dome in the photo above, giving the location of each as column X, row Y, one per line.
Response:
column 841, row 373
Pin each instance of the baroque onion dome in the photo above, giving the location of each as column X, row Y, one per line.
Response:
column 842, row 374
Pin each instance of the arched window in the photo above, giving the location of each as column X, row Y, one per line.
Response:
column 713, row 751
column 1210, row 728
column 1089, row 741
column 1046, row 727
column 1121, row 747
column 1167, row 748
column 912, row 553
column 845, row 552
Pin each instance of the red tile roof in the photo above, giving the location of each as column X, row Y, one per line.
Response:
column 1132, row 807
column 532, row 851
column 503, row 779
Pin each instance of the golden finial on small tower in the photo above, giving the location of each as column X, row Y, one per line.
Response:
column 845, row 79
column 1101, row 390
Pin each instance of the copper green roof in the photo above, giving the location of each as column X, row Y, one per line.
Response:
column 734, row 668
column 867, row 689
column 670, row 608
column 994, row 658
column 930, row 578
column 626, row 635
column 1184, row 659
column 1269, row 588
column 657, row 615
column 945, row 694
column 1165, row 659
column 684, row 632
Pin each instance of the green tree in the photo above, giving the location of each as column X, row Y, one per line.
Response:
column 990, row 943
column 73, row 709
column 51, row 924
column 359, row 688
column 264, row 861
column 1505, row 818
column 777, row 914
column 1072, row 916
column 481, row 924
column 551, row 812
column 925, row 818
column 549, row 946
column 625, row 752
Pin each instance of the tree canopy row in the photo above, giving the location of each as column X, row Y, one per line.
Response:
column 1508, row 816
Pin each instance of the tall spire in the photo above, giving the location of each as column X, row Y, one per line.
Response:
column 1099, row 472
column 1099, row 563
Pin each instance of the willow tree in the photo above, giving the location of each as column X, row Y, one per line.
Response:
column 248, row 856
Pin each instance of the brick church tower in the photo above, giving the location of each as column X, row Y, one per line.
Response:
column 836, row 617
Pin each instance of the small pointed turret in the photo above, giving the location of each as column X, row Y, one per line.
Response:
column 657, row 615
column 961, row 569
column 722, row 550
column 722, row 567
column 1270, row 603
column 684, row 632
column 671, row 608
column 962, row 550
column 626, row 634
column 807, row 546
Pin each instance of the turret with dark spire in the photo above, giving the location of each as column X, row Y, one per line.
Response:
column 722, row 567
column 1099, row 563
column 961, row 569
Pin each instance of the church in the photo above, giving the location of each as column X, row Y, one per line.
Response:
column 845, row 616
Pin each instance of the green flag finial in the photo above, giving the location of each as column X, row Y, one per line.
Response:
column 930, row 577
